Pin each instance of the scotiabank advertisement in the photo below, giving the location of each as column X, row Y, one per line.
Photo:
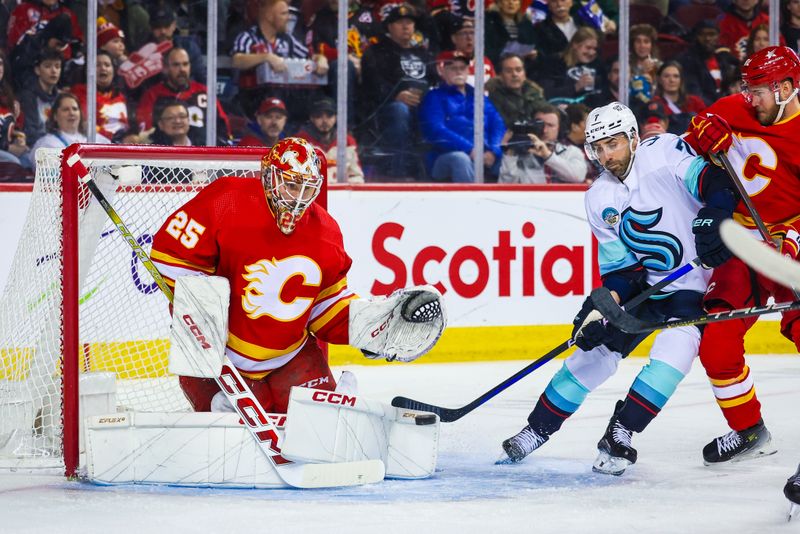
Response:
column 500, row 257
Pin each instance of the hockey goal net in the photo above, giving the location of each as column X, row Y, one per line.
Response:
column 80, row 317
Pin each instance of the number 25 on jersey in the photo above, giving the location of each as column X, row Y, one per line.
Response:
column 187, row 231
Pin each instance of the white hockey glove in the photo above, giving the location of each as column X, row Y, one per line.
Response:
column 403, row 326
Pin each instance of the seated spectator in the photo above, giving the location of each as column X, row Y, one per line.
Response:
column 65, row 126
column 163, row 25
column 654, row 121
column 609, row 89
column 735, row 26
column 321, row 132
column 512, row 93
column 268, row 42
column 707, row 68
column 172, row 125
column 575, row 73
column 502, row 29
column 555, row 32
column 790, row 24
column 111, row 39
column 463, row 38
column 13, row 144
column 395, row 75
column 112, row 104
column 575, row 115
column 269, row 126
column 679, row 106
column 55, row 35
column 178, row 85
column 757, row 40
column 644, row 52
column 36, row 101
column 31, row 17
column 447, row 123
column 324, row 29
column 542, row 159
column 8, row 99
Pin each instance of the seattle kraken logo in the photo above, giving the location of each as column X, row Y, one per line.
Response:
column 658, row 251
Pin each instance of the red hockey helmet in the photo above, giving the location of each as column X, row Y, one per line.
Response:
column 292, row 178
column 770, row 66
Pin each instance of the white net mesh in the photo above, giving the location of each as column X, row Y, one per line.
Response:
column 124, row 319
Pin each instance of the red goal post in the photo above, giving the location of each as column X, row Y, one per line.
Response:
column 80, row 319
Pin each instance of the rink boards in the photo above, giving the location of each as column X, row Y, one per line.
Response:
column 514, row 264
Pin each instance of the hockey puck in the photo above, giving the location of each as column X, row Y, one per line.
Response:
column 425, row 419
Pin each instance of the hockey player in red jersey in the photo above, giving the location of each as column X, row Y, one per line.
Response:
column 758, row 130
column 284, row 258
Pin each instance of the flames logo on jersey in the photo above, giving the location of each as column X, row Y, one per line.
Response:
column 265, row 294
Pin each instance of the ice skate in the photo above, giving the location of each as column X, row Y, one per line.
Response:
column 615, row 450
column 518, row 447
column 792, row 492
column 736, row 446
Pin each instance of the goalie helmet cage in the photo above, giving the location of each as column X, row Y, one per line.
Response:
column 78, row 304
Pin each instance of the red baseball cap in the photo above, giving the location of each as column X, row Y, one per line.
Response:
column 270, row 104
column 449, row 56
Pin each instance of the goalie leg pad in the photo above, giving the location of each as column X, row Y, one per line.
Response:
column 187, row 449
column 403, row 326
column 325, row 426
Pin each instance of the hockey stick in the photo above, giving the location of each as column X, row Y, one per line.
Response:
column 748, row 202
column 761, row 257
column 230, row 382
column 448, row 415
column 632, row 325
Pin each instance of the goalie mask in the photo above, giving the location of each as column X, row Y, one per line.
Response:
column 770, row 66
column 292, row 179
column 608, row 121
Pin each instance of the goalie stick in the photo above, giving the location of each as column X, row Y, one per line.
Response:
column 448, row 415
column 230, row 382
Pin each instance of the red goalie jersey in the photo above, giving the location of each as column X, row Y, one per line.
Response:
column 283, row 287
column 767, row 160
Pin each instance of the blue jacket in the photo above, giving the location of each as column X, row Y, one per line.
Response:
column 446, row 120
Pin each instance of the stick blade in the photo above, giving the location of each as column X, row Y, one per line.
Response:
column 605, row 304
column 759, row 256
column 334, row 475
column 446, row 415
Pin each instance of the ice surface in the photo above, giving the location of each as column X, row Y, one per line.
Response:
column 554, row 490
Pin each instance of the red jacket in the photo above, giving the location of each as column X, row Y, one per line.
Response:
column 31, row 16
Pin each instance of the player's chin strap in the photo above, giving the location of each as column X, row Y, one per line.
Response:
column 782, row 103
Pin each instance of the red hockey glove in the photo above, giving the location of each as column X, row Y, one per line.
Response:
column 788, row 240
column 793, row 333
column 710, row 134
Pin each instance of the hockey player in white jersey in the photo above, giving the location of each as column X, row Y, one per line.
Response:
column 640, row 210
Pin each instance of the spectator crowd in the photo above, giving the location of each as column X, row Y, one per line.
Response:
column 410, row 71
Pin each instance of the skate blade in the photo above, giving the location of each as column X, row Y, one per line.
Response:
column 767, row 449
column 610, row 465
column 793, row 510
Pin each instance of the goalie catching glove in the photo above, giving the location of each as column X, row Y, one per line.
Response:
column 403, row 326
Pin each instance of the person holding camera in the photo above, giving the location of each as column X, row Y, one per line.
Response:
column 534, row 155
